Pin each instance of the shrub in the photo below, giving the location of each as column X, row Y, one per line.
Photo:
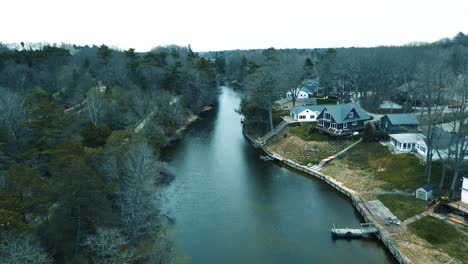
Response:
column 95, row 136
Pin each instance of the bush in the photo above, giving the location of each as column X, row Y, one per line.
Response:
column 95, row 136
column 368, row 133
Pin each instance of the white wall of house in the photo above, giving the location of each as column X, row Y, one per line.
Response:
column 402, row 146
column 464, row 193
column 405, row 142
column 301, row 94
column 306, row 116
column 421, row 149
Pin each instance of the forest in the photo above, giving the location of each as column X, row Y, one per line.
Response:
column 81, row 133
column 82, row 129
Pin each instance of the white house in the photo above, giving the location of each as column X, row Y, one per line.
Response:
column 464, row 194
column 442, row 142
column 424, row 193
column 308, row 89
column 406, row 142
column 306, row 113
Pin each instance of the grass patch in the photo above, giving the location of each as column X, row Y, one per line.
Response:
column 442, row 235
column 403, row 171
column 306, row 131
column 402, row 206
column 280, row 113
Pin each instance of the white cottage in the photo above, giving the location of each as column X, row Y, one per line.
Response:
column 442, row 142
column 306, row 113
column 406, row 142
column 308, row 89
column 464, row 193
column 424, row 193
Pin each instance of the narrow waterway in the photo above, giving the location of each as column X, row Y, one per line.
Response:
column 231, row 207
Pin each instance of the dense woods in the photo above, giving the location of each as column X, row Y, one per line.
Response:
column 428, row 78
column 81, row 129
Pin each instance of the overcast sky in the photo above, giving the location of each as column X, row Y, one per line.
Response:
column 236, row 24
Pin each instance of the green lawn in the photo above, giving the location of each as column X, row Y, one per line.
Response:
column 306, row 132
column 402, row 206
column 403, row 171
column 280, row 113
column 442, row 235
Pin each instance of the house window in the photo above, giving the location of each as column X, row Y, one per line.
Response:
column 285, row 106
column 354, row 123
column 345, row 125
column 386, row 124
column 327, row 116
column 302, row 117
column 423, row 149
column 351, row 115
column 312, row 117
column 404, row 145
column 321, row 122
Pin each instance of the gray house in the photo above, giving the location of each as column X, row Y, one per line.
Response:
column 343, row 119
column 399, row 123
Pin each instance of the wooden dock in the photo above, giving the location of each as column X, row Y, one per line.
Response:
column 366, row 228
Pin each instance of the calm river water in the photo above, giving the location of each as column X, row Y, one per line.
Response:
column 231, row 207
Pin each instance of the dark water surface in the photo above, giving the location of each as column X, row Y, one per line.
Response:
column 231, row 207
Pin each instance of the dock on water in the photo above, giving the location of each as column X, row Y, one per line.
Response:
column 366, row 228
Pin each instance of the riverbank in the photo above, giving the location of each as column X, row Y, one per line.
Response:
column 223, row 191
column 403, row 244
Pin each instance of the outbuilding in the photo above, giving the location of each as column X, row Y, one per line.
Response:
column 425, row 192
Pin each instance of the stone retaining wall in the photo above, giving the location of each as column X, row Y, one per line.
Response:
column 356, row 200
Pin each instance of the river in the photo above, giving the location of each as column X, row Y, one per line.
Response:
column 231, row 207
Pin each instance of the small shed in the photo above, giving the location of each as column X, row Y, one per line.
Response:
column 425, row 192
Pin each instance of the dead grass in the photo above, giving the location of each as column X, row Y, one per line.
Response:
column 352, row 177
column 418, row 250
column 304, row 152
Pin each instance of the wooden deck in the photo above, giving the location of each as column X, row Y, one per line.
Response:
column 366, row 228
column 335, row 132
column 459, row 206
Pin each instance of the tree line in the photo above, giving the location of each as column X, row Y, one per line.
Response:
column 78, row 182
column 423, row 77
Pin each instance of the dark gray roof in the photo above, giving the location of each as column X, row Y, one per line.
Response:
column 427, row 187
column 285, row 100
column 300, row 108
column 406, row 86
column 403, row 119
column 341, row 111
column 442, row 138
column 307, row 100
column 302, row 100
column 310, row 85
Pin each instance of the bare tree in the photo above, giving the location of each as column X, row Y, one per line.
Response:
column 12, row 114
column 290, row 75
column 262, row 92
column 109, row 246
column 430, row 85
column 140, row 171
column 94, row 103
column 20, row 249
column 459, row 148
